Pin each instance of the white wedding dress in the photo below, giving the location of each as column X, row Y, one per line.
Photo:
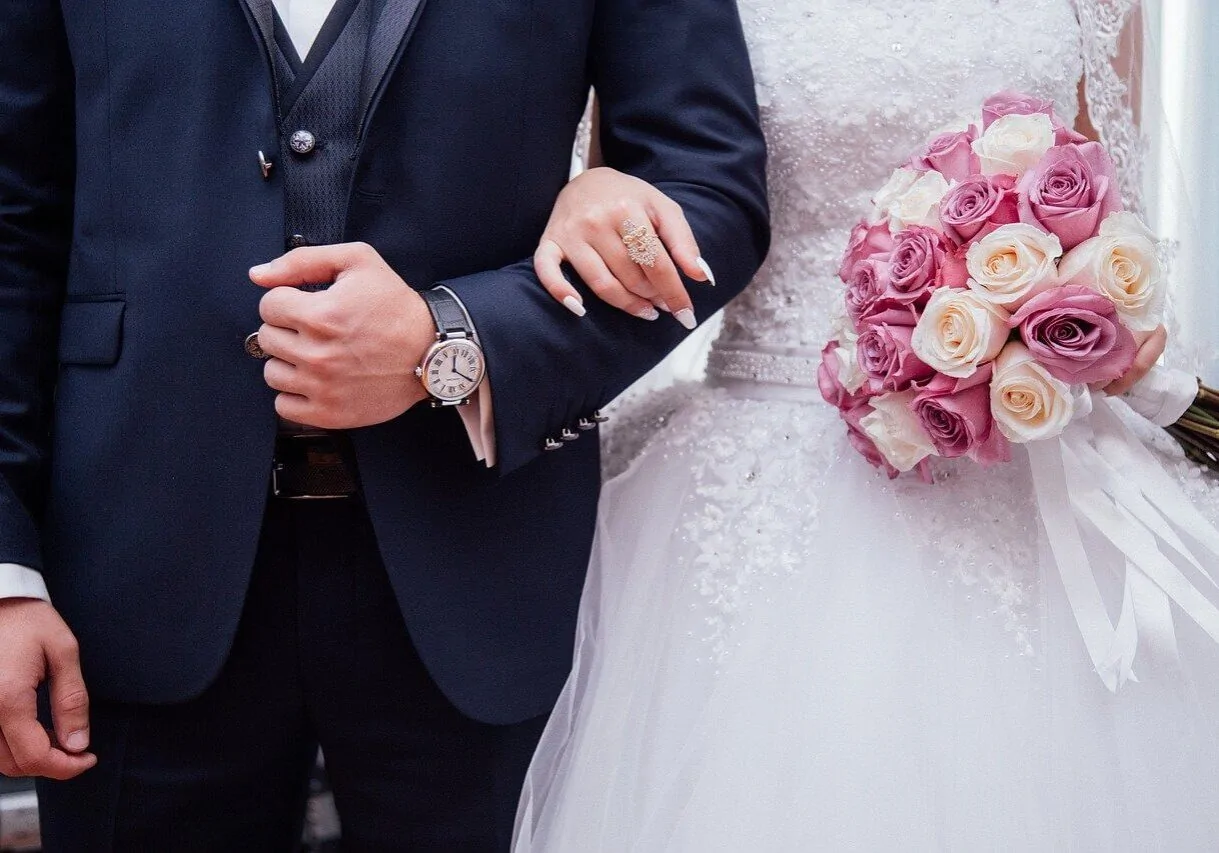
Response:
column 780, row 649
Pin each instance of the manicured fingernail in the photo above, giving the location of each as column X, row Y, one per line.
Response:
column 574, row 305
column 260, row 270
column 648, row 313
column 686, row 317
column 663, row 306
column 77, row 741
column 706, row 268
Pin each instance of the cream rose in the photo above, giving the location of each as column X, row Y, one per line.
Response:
column 850, row 374
column 911, row 198
column 920, row 204
column 959, row 332
column 895, row 430
column 899, row 182
column 1013, row 144
column 1012, row 264
column 1027, row 402
column 1122, row 263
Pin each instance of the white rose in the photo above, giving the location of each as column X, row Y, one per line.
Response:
column 850, row 374
column 1014, row 144
column 1012, row 264
column 895, row 430
column 958, row 332
column 919, row 204
column 1027, row 402
column 900, row 181
column 1122, row 263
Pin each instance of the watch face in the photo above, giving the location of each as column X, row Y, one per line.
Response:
column 453, row 369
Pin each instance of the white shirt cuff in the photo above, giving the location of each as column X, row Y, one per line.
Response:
column 20, row 582
column 479, row 420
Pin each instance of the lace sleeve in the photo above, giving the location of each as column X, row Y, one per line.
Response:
column 1112, row 32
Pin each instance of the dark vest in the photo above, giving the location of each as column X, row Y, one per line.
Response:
column 319, row 108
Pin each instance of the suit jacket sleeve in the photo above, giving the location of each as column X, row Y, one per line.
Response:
column 36, row 180
column 678, row 110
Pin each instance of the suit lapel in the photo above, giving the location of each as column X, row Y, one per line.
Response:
column 261, row 15
column 391, row 33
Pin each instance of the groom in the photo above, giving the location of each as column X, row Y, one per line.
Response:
column 203, row 589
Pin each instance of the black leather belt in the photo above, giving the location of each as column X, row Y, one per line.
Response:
column 313, row 466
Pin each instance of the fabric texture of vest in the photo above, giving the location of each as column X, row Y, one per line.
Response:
column 320, row 108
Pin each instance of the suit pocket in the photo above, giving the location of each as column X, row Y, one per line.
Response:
column 91, row 332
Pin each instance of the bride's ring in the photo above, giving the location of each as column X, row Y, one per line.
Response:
column 641, row 244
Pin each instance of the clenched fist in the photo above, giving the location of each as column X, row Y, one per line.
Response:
column 343, row 357
column 36, row 646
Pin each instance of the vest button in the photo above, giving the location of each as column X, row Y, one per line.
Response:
column 296, row 241
column 302, row 142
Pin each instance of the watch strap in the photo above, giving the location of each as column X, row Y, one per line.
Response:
column 448, row 313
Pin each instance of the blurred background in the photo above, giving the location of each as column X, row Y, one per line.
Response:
column 1184, row 180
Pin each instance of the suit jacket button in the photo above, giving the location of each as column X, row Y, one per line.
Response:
column 568, row 435
column 551, row 444
column 585, row 424
column 302, row 142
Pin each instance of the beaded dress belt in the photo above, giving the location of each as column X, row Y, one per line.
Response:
column 774, row 368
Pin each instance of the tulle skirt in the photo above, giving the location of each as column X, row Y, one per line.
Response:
column 780, row 650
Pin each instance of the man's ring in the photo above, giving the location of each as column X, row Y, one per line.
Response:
column 641, row 244
column 253, row 348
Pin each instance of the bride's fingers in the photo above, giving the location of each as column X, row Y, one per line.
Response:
column 671, row 291
column 548, row 264
column 588, row 264
column 1149, row 353
column 674, row 231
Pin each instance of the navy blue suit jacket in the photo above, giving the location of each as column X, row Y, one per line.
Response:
column 135, row 433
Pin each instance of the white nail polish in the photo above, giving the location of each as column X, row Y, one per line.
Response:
column 706, row 268
column 648, row 313
column 574, row 305
column 686, row 317
column 663, row 306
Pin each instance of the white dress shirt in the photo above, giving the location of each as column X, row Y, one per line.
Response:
column 303, row 20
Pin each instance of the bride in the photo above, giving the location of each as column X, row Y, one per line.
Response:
column 780, row 649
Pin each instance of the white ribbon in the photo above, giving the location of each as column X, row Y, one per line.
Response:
column 1098, row 477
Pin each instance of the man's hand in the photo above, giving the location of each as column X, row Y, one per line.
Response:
column 35, row 645
column 344, row 357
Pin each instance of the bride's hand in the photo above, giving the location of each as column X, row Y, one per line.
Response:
column 1151, row 347
column 586, row 230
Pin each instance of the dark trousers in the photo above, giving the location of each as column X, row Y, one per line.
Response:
column 321, row 657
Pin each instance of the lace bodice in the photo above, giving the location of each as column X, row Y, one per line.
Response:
column 848, row 90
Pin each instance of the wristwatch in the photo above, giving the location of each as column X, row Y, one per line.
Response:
column 453, row 367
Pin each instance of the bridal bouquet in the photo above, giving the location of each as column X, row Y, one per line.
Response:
column 997, row 278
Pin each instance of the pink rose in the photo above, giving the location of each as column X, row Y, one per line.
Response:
column 866, row 284
column 830, row 383
column 922, row 261
column 1075, row 334
column 889, row 312
column 1070, row 192
column 885, row 355
column 951, row 154
column 955, row 413
column 1014, row 103
column 869, row 241
column 864, row 445
column 977, row 206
